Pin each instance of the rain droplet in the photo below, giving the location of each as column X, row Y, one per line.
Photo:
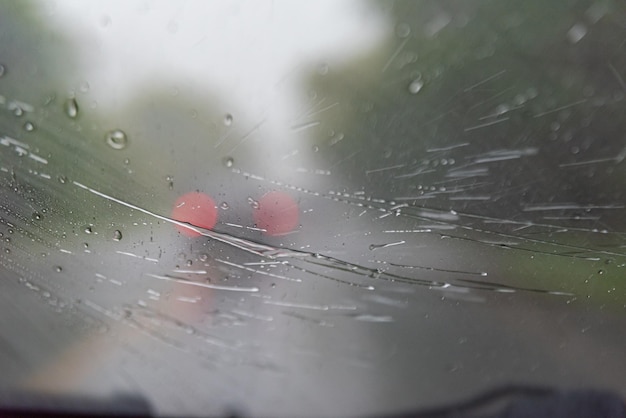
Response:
column 2, row 70
column 322, row 69
column 37, row 216
column 62, row 179
column 71, row 108
column 189, row 263
column 224, row 206
column 576, row 33
column 403, row 30
column 415, row 86
column 410, row 57
column 88, row 230
column 18, row 111
column 519, row 99
column 203, row 257
column 253, row 203
column 229, row 161
column 228, row 119
column 105, row 21
column 29, row 127
column 58, row 269
column 116, row 139
column 117, row 235
column 501, row 109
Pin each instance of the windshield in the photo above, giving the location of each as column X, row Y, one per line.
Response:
column 313, row 208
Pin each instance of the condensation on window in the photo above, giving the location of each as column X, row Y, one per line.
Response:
column 311, row 209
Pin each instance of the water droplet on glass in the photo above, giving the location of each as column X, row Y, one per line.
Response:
column 29, row 127
column 116, row 139
column 18, row 111
column 403, row 30
column 224, row 206
column 105, row 21
column 229, row 161
column 189, row 263
column 228, row 119
column 519, row 99
column 410, row 57
column 576, row 33
column 71, row 108
column 501, row 109
column 58, row 269
column 2, row 70
column 88, row 230
column 203, row 257
column 117, row 235
column 84, row 87
column 62, row 179
column 415, row 86
column 253, row 203
column 37, row 216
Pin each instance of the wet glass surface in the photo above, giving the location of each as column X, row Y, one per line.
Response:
column 311, row 209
